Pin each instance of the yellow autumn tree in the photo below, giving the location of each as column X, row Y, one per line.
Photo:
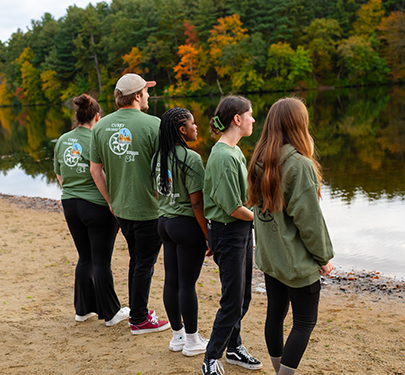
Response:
column 133, row 60
column 50, row 85
column 368, row 18
column 228, row 31
column 5, row 96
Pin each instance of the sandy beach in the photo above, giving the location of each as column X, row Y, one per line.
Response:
column 360, row 330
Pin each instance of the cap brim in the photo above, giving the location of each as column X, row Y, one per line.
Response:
column 150, row 83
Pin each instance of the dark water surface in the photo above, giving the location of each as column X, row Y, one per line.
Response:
column 359, row 135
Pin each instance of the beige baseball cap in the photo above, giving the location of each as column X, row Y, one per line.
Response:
column 130, row 83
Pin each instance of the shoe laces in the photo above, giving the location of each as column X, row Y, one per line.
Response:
column 202, row 339
column 154, row 319
column 215, row 366
column 244, row 351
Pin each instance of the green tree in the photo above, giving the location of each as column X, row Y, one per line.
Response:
column 321, row 38
column 360, row 61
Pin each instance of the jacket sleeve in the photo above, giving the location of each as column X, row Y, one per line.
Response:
column 303, row 206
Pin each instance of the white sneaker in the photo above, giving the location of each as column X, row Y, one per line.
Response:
column 195, row 344
column 178, row 340
column 82, row 318
column 122, row 314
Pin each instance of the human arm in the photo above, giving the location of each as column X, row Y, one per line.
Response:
column 304, row 208
column 243, row 213
column 98, row 174
column 59, row 177
column 197, row 204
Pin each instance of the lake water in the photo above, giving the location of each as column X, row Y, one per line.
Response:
column 359, row 135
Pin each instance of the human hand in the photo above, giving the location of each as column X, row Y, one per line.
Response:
column 325, row 270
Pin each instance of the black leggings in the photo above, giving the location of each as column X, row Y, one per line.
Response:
column 304, row 302
column 93, row 228
column 184, row 251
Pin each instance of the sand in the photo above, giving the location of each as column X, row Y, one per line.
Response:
column 358, row 331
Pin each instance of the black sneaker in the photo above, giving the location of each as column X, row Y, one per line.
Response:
column 240, row 356
column 212, row 367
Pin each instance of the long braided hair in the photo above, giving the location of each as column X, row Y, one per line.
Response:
column 169, row 138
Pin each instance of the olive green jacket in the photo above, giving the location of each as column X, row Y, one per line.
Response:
column 292, row 244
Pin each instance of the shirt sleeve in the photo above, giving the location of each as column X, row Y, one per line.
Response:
column 306, row 212
column 56, row 165
column 227, row 193
column 195, row 176
column 94, row 155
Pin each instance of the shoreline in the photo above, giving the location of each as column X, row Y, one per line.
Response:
column 345, row 279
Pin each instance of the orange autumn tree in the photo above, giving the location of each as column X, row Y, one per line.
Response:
column 392, row 34
column 192, row 65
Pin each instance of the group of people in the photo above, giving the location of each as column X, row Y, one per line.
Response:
column 133, row 171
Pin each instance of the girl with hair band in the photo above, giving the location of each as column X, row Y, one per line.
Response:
column 178, row 173
column 92, row 225
column 293, row 247
column 230, row 232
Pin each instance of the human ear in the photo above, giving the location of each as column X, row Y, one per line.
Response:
column 182, row 129
column 236, row 119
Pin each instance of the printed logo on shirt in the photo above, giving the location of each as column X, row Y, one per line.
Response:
column 169, row 194
column 120, row 141
column 81, row 168
column 266, row 217
column 72, row 155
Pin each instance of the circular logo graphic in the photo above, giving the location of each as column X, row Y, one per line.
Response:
column 71, row 159
column 117, row 147
column 169, row 178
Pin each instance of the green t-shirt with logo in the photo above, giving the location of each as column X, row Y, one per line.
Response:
column 225, row 185
column 72, row 162
column 124, row 142
column 182, row 184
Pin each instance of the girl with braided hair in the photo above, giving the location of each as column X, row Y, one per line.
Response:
column 178, row 174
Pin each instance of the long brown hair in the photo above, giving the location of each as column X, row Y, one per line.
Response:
column 286, row 122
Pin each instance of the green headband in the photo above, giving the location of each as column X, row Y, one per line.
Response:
column 217, row 123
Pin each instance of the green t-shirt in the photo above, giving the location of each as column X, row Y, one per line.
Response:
column 225, row 185
column 124, row 142
column 72, row 162
column 182, row 184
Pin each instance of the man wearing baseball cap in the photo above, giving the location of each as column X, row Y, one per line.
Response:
column 122, row 147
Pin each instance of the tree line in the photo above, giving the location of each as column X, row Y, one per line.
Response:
column 200, row 47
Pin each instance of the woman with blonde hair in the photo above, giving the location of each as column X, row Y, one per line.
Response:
column 293, row 247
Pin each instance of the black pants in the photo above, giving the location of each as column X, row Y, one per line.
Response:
column 304, row 302
column 93, row 229
column 233, row 252
column 143, row 245
column 184, row 252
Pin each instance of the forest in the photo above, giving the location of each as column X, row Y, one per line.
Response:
column 203, row 47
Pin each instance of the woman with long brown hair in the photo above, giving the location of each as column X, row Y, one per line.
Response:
column 293, row 247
